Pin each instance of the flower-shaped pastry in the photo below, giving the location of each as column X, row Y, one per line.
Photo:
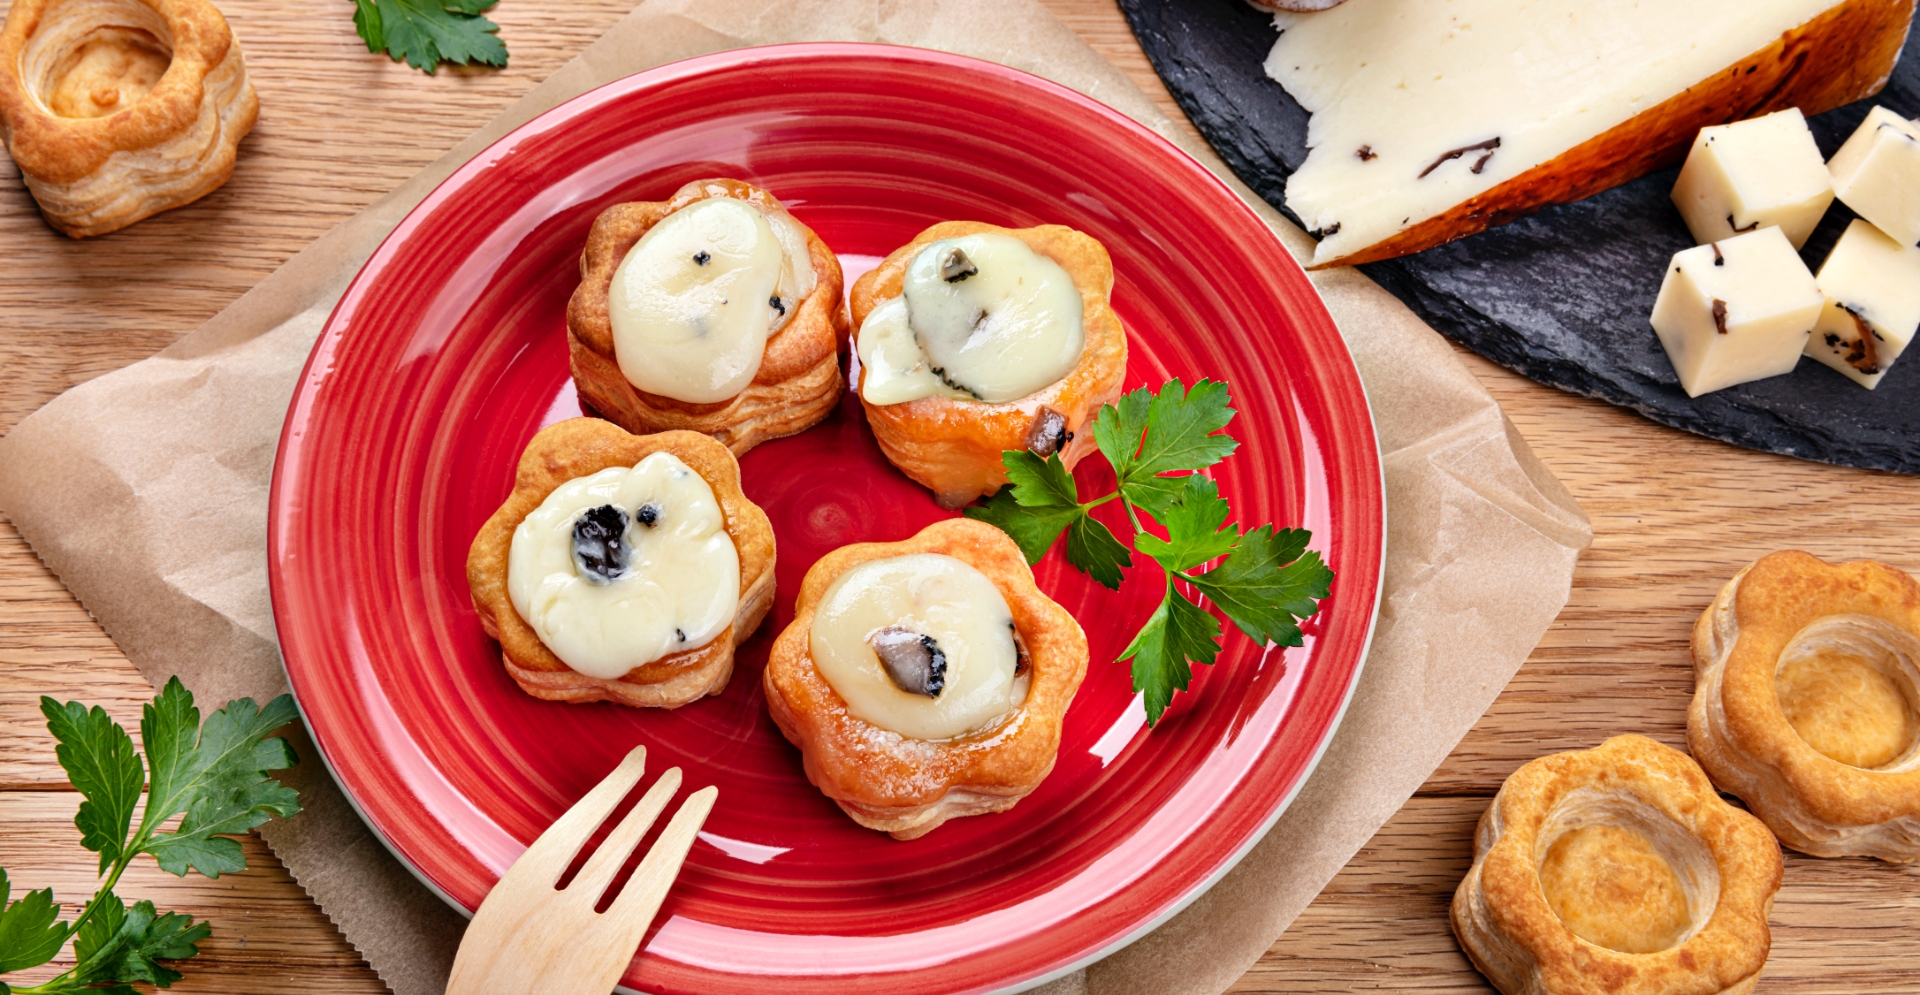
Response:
column 975, row 340
column 925, row 680
column 1806, row 691
column 1617, row 871
column 622, row 568
column 118, row 109
column 713, row 311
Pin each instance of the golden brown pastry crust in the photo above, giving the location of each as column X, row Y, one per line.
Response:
column 578, row 447
column 799, row 381
column 908, row 787
column 1738, row 730
column 176, row 144
column 953, row 447
column 1501, row 914
column 1843, row 55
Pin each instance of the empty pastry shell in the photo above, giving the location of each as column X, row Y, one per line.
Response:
column 1629, row 845
column 580, row 447
column 115, row 110
column 908, row 787
column 953, row 447
column 799, row 380
column 1806, row 691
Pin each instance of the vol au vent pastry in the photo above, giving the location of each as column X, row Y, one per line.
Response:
column 1805, row 701
column 974, row 340
column 622, row 568
column 713, row 311
column 1617, row 870
column 115, row 110
column 925, row 680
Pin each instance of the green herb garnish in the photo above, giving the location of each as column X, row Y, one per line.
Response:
column 426, row 33
column 213, row 775
column 1267, row 584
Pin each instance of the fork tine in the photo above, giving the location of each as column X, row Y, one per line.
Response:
column 605, row 862
column 556, row 848
column 644, row 892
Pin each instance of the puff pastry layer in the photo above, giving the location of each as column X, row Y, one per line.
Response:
column 1629, row 844
column 799, row 380
column 908, row 787
column 1796, row 649
column 579, row 447
column 953, row 447
column 115, row 110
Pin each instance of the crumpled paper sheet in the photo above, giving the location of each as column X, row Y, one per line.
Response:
column 145, row 490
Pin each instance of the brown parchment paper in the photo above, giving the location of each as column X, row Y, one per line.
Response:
column 145, row 490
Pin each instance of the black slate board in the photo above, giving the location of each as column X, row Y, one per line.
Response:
column 1562, row 296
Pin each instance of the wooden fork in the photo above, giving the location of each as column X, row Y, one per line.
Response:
column 530, row 938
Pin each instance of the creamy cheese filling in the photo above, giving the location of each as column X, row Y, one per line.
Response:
column 1419, row 105
column 694, row 301
column 980, row 318
column 962, row 621
column 620, row 568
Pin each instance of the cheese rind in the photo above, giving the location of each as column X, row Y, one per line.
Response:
column 1872, row 288
column 1877, row 173
column 1748, row 175
column 1397, row 86
column 1734, row 311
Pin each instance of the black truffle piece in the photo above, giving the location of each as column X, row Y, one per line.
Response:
column 912, row 661
column 600, row 545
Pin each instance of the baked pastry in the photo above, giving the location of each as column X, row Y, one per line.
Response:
column 925, row 680
column 1805, row 702
column 713, row 311
column 115, row 110
column 975, row 339
column 1617, row 870
column 622, row 568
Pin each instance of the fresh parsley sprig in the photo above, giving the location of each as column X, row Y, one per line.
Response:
column 425, row 33
column 215, row 775
column 1267, row 583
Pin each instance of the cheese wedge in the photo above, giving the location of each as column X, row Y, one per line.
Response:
column 1435, row 119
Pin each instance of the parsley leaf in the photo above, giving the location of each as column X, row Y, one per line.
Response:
column 221, row 784
column 30, row 930
column 99, row 759
column 1269, row 584
column 122, row 944
column 1178, row 631
column 1149, row 434
column 1194, row 532
column 1039, row 502
column 425, row 33
column 1033, row 528
column 1092, row 548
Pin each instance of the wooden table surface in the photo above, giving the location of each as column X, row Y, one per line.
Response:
column 1674, row 516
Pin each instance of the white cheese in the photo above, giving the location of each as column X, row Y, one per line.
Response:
column 937, row 596
column 1745, row 176
column 1872, row 286
column 1877, row 173
column 1735, row 311
column 677, row 589
column 694, row 301
column 1408, row 97
column 982, row 317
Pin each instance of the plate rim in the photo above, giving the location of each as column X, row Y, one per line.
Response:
column 735, row 58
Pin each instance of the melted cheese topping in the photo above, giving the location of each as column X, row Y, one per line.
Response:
column 994, row 323
column 693, row 303
column 937, row 596
column 680, row 588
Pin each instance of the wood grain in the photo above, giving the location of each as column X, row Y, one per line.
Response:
column 1674, row 516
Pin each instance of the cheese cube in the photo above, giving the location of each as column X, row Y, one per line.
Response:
column 1877, row 173
column 1745, row 176
column 1736, row 310
column 1872, row 285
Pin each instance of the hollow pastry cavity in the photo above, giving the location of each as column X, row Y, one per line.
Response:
column 971, row 345
column 714, row 311
column 1806, row 692
column 622, row 568
column 1618, row 869
column 115, row 110
column 873, row 765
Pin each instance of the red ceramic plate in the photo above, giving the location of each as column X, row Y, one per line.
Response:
column 448, row 353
